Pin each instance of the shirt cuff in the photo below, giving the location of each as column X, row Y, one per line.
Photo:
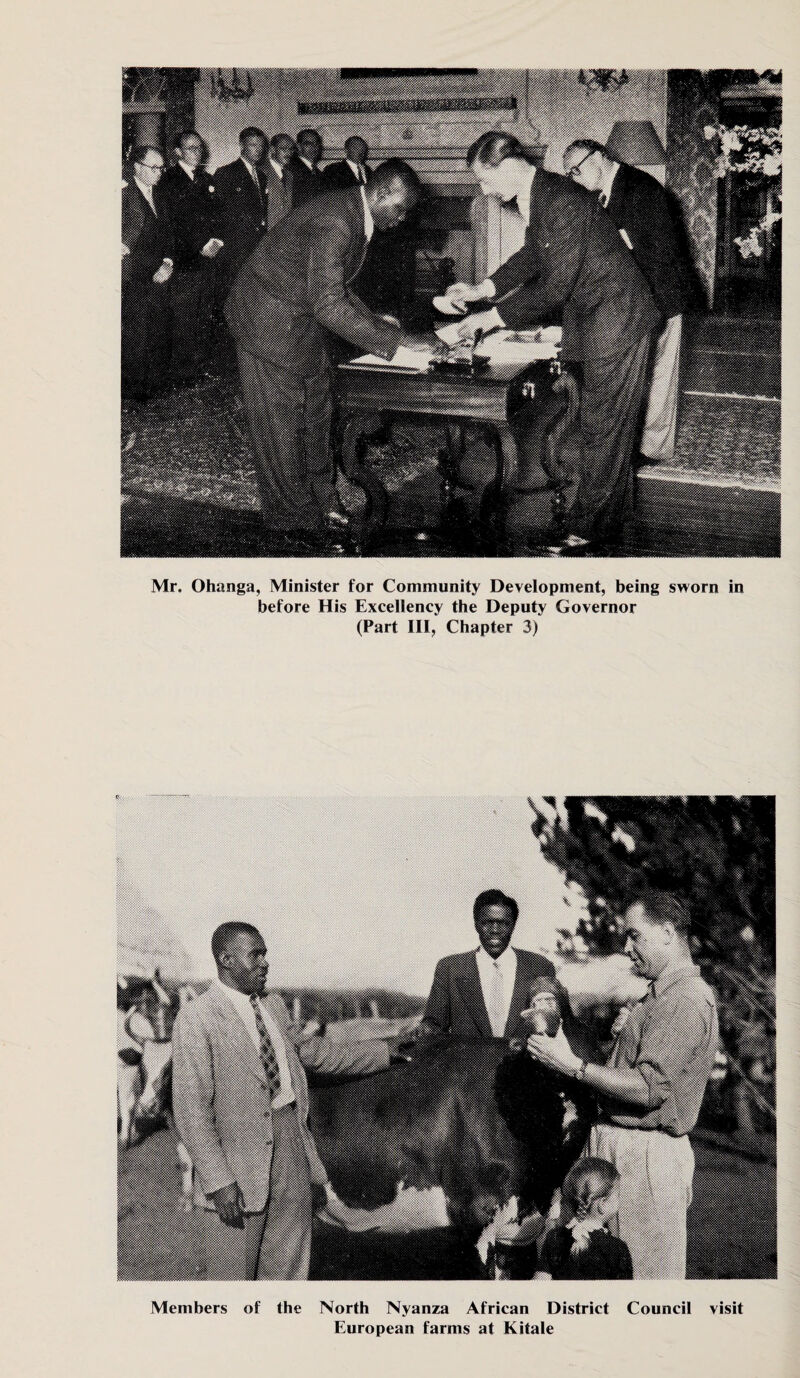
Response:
column 167, row 260
column 488, row 289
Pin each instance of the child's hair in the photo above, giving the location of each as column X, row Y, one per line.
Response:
column 588, row 1180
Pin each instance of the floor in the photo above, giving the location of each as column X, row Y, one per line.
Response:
column 188, row 487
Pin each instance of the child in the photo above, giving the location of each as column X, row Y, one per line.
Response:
column 581, row 1248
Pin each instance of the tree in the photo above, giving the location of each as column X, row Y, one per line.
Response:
column 718, row 855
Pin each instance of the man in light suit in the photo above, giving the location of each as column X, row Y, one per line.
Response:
column 293, row 289
column 640, row 209
column 574, row 262
column 482, row 993
column 240, row 1100
column 279, row 175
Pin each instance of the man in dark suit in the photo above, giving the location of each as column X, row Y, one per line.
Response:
column 640, row 209
column 350, row 171
column 280, row 177
column 308, row 179
column 189, row 195
column 573, row 261
column 147, row 263
column 292, row 290
column 482, row 993
column 241, row 190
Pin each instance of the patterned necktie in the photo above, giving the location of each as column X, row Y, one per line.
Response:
column 267, row 1050
column 496, row 1018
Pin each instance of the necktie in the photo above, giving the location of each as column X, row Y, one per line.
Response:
column 603, row 199
column 361, row 178
column 267, row 1049
column 496, row 1018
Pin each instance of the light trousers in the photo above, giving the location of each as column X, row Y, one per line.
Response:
column 661, row 416
column 275, row 1243
column 656, row 1172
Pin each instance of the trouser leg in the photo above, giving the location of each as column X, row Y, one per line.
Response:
column 317, row 439
column 231, row 1254
column 656, row 1172
column 275, row 406
column 609, row 415
column 661, row 416
column 286, row 1242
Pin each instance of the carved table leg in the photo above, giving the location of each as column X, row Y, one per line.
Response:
column 351, row 451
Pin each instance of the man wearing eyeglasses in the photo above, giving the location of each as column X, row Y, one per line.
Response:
column 572, row 262
column 640, row 209
column 188, row 192
column 147, row 262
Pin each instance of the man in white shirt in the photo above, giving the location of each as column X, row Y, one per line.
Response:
column 352, row 169
column 308, row 180
column 482, row 993
column 240, row 1100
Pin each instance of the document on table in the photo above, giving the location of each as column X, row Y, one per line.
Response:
column 406, row 360
column 508, row 346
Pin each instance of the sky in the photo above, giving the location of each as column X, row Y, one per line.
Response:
column 347, row 892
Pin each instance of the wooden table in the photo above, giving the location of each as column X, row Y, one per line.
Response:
column 525, row 409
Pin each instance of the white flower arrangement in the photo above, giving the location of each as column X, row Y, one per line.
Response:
column 755, row 154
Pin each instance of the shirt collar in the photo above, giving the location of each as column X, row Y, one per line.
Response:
column 147, row 192
column 504, row 961
column 309, row 165
column 608, row 181
column 237, row 997
column 524, row 195
column 277, row 167
column 356, row 168
column 674, row 974
column 190, row 171
column 369, row 223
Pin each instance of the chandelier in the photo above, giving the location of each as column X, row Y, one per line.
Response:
column 233, row 90
column 603, row 79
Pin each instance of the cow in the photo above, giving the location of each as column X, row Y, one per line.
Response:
column 471, row 1136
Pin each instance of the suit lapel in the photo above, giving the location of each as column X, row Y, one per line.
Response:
column 233, row 1030
column 144, row 204
column 470, row 984
column 519, row 995
column 360, row 242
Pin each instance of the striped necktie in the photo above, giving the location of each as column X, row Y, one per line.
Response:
column 267, row 1050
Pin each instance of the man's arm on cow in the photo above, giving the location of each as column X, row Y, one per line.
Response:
column 193, row 1108
column 622, row 1083
column 437, row 1010
column 331, row 1059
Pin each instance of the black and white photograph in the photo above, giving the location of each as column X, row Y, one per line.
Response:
column 450, row 312
column 446, row 1038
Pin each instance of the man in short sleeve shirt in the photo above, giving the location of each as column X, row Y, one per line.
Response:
column 651, row 1089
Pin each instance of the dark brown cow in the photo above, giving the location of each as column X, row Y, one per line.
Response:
column 468, row 1135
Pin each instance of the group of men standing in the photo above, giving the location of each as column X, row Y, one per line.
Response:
column 283, row 246
column 186, row 233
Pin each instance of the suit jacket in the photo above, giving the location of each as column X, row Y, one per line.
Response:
column 149, row 237
column 279, row 193
column 194, row 212
column 221, row 1099
column 456, row 1003
column 295, row 286
column 573, row 259
column 306, row 184
column 339, row 176
column 243, row 215
column 639, row 205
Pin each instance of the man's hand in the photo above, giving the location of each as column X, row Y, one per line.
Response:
column 460, row 293
column 480, row 320
column 229, row 1205
column 419, row 343
column 163, row 274
column 554, row 1053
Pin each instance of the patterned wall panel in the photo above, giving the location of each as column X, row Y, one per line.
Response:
column 692, row 103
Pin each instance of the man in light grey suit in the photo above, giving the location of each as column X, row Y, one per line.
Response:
column 240, row 1100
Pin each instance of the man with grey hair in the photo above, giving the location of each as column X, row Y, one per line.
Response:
column 651, row 1089
column 572, row 262
column 640, row 209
